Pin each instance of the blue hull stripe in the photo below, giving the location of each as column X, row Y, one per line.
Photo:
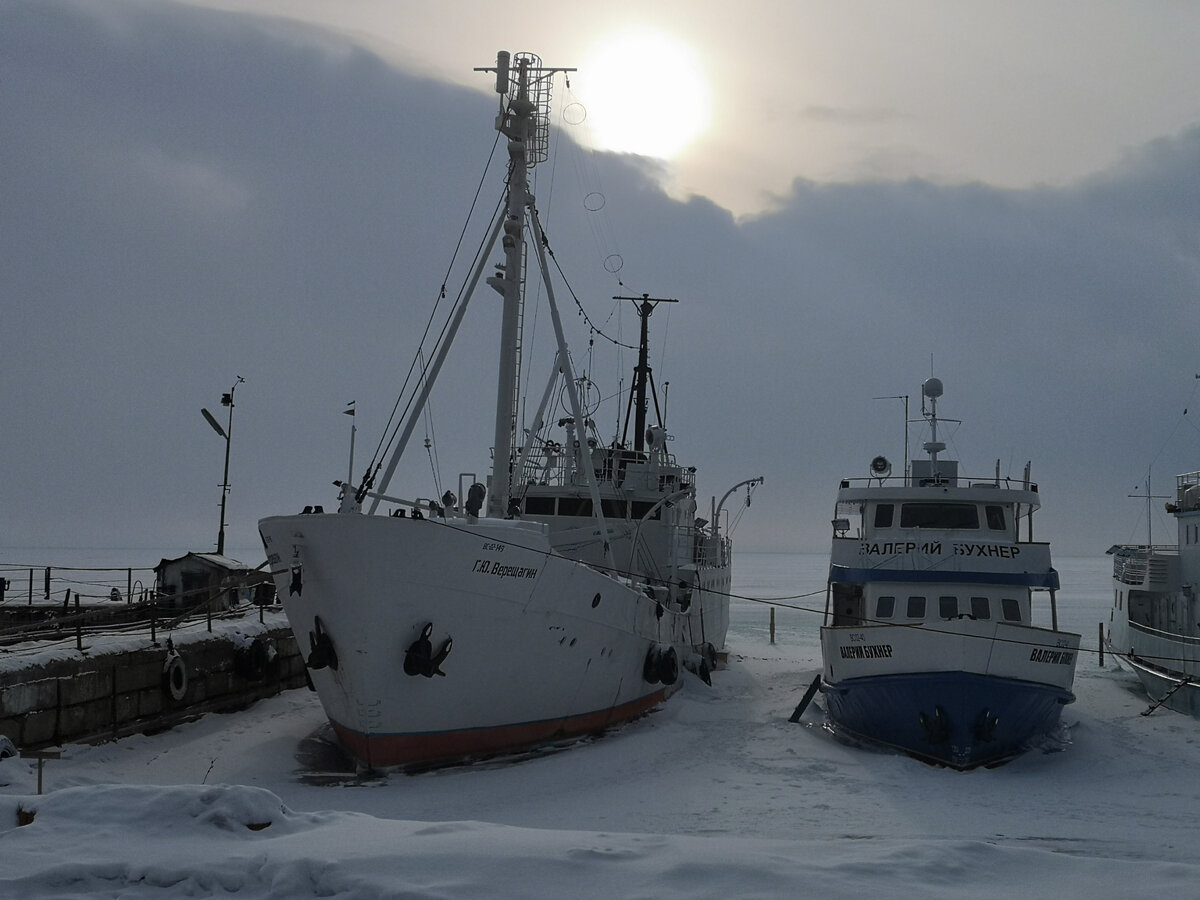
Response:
column 1048, row 580
column 957, row 719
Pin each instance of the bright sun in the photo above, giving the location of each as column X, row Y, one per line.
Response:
column 645, row 93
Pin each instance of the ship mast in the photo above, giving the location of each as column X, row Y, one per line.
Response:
column 525, row 122
column 643, row 377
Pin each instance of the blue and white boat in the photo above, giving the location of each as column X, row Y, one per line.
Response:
column 929, row 642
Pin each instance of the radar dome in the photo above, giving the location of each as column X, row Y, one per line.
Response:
column 932, row 388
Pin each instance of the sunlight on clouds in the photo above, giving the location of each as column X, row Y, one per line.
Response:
column 646, row 92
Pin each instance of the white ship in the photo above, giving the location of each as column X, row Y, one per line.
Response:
column 1154, row 624
column 929, row 644
column 444, row 630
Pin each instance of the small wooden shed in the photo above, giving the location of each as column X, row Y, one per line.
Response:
column 194, row 578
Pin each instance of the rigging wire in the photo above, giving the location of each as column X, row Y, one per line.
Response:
column 594, row 201
column 395, row 423
column 392, row 426
column 431, row 444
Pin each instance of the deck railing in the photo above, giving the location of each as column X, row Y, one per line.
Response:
column 1145, row 564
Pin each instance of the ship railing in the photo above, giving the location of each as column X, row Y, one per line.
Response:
column 1143, row 564
column 990, row 481
column 623, row 468
column 1187, row 493
column 708, row 549
column 1172, row 637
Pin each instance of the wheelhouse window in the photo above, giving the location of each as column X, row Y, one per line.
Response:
column 1011, row 609
column 883, row 515
column 614, row 509
column 885, row 607
column 574, row 506
column 916, row 608
column 939, row 515
column 995, row 517
column 980, row 608
column 948, row 607
column 539, row 506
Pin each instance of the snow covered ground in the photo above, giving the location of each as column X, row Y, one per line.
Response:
column 715, row 794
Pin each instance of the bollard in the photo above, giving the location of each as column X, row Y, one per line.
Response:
column 772, row 624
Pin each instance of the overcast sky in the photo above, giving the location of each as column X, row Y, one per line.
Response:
column 1005, row 195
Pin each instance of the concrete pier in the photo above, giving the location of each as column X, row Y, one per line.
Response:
column 124, row 684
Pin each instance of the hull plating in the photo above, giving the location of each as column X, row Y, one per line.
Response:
column 1164, row 686
column 540, row 648
column 957, row 719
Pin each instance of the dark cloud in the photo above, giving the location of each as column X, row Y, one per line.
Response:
column 189, row 196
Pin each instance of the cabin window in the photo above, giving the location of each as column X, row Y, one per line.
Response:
column 883, row 515
column 574, row 506
column 995, row 517
column 980, row 608
column 1011, row 609
column 948, row 607
column 614, row 509
column 939, row 515
column 885, row 607
column 539, row 506
column 641, row 507
column 916, row 607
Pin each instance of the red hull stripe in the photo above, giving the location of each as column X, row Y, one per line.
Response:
column 400, row 749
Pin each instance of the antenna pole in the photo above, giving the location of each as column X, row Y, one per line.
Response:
column 903, row 397
column 642, row 377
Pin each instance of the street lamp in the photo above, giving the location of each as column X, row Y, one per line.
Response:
column 227, row 433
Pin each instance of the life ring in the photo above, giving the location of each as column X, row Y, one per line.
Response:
column 175, row 676
column 668, row 666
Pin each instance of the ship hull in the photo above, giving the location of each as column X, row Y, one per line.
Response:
column 1167, row 664
column 996, row 690
column 1174, row 690
column 432, row 640
column 953, row 719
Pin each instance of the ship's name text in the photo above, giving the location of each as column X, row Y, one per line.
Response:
column 491, row 567
column 1055, row 657
column 867, row 651
column 934, row 548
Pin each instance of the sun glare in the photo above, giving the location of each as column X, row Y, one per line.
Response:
column 645, row 93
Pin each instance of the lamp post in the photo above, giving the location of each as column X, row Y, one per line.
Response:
column 227, row 433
